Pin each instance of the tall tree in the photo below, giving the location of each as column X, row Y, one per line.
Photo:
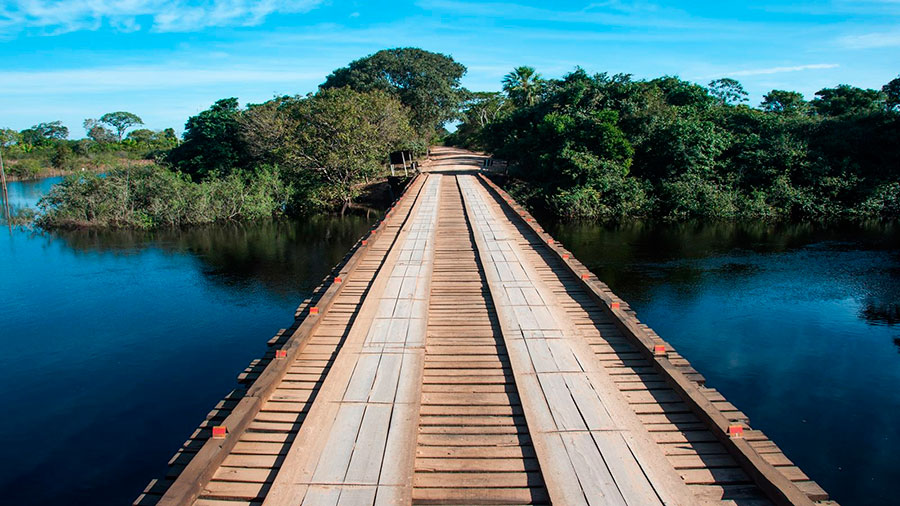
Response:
column 523, row 86
column 43, row 133
column 98, row 132
column 786, row 102
column 344, row 136
column 728, row 91
column 121, row 121
column 211, row 141
column 427, row 83
column 846, row 99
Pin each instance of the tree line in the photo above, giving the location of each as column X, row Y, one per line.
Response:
column 286, row 156
column 32, row 152
column 585, row 146
column 609, row 147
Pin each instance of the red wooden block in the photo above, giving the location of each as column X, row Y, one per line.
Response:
column 659, row 349
column 364, row 242
column 736, row 430
column 585, row 275
column 529, row 219
column 549, row 241
column 565, row 256
column 314, row 310
column 614, row 305
column 337, row 279
column 280, row 353
column 218, row 432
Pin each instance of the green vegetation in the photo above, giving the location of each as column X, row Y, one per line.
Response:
column 609, row 147
column 152, row 196
column 597, row 147
column 289, row 155
column 44, row 149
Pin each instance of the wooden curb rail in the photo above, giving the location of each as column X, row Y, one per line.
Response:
column 775, row 485
column 189, row 484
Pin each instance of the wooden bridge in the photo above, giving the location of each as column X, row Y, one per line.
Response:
column 459, row 355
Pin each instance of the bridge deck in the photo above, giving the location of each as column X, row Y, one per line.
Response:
column 461, row 356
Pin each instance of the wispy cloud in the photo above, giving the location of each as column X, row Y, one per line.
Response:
column 870, row 40
column 57, row 17
column 780, row 70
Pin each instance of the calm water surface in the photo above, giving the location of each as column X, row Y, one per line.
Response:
column 113, row 346
column 796, row 325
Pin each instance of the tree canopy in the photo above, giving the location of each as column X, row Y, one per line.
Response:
column 212, row 143
column 121, row 121
column 45, row 132
column 425, row 82
column 607, row 147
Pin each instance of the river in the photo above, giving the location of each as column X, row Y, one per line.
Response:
column 115, row 345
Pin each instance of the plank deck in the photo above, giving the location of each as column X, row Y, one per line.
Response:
column 467, row 358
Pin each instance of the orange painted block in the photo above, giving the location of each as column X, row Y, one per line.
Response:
column 364, row 242
column 565, row 256
column 585, row 275
column 337, row 279
column 218, row 432
column 280, row 353
column 314, row 310
column 659, row 349
column 529, row 219
column 614, row 305
column 736, row 430
column 550, row 241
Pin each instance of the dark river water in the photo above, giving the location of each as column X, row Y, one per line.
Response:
column 113, row 346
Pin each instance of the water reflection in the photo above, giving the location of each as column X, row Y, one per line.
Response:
column 283, row 255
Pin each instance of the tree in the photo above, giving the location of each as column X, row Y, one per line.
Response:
column 482, row 107
column 425, row 82
column 523, row 86
column 846, row 99
column 8, row 137
column 212, row 141
column 891, row 92
column 344, row 136
column 121, row 121
column 728, row 91
column 43, row 133
column 680, row 92
column 786, row 102
column 142, row 135
column 98, row 132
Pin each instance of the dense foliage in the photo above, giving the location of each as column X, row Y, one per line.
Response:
column 151, row 196
column 291, row 154
column 604, row 147
column 427, row 83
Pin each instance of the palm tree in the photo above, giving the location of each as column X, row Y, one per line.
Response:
column 523, row 85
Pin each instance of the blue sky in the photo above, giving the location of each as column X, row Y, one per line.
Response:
column 168, row 59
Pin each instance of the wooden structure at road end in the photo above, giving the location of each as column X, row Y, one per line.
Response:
column 460, row 355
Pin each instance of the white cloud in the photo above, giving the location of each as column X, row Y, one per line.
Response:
column 870, row 40
column 779, row 70
column 55, row 17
